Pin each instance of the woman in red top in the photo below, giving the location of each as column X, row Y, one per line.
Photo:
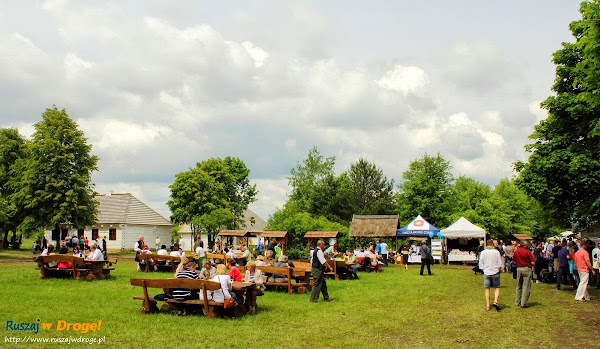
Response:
column 234, row 272
column 64, row 265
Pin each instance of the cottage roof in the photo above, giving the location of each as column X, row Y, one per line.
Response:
column 126, row 209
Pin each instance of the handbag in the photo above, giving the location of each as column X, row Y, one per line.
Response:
column 227, row 302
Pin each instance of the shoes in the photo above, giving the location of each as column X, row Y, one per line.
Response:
column 558, row 288
column 496, row 306
column 328, row 299
column 525, row 306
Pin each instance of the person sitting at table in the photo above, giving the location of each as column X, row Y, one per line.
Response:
column 254, row 276
column 234, row 272
column 339, row 257
column 225, row 248
column 174, row 252
column 181, row 265
column 162, row 251
column 77, row 252
column 199, row 252
column 208, row 271
column 95, row 254
column 48, row 251
column 181, row 252
column 224, row 291
column 373, row 258
column 281, row 263
column 260, row 261
column 269, row 258
column 64, row 265
column 351, row 259
column 187, row 271
column 246, row 257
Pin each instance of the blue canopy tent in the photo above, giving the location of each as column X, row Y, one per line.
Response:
column 419, row 227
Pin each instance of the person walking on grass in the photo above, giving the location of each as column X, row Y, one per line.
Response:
column 582, row 261
column 425, row 258
column 490, row 262
column 319, row 264
column 524, row 261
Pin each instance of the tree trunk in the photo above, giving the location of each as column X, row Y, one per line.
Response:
column 57, row 228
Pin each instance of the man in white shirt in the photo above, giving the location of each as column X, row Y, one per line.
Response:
column 490, row 262
column 384, row 252
column 182, row 244
column 95, row 254
column 162, row 251
column 319, row 264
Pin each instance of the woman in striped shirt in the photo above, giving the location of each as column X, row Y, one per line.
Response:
column 187, row 272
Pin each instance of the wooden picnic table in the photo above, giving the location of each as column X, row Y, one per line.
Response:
column 96, row 269
column 239, row 288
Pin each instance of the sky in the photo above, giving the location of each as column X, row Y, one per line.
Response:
column 158, row 86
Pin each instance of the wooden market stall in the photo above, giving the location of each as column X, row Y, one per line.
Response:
column 372, row 227
column 316, row 235
column 234, row 237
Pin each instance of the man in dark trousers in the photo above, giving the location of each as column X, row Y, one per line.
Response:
column 425, row 258
column 319, row 264
column 524, row 261
column 104, row 246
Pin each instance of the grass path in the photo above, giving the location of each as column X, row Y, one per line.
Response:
column 394, row 308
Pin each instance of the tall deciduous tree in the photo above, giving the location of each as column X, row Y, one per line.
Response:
column 56, row 185
column 12, row 148
column 212, row 195
column 563, row 170
column 426, row 190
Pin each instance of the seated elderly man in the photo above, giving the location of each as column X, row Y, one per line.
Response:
column 95, row 254
column 246, row 257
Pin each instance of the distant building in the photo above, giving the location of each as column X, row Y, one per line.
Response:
column 122, row 218
column 255, row 229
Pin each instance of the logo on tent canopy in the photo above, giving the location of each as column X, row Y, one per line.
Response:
column 418, row 223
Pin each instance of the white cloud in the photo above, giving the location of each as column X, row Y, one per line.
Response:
column 154, row 96
column 405, row 80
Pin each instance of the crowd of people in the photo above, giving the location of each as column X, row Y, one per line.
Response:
column 573, row 262
column 72, row 248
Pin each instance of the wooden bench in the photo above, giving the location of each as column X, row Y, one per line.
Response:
column 162, row 262
column 211, row 308
column 222, row 256
column 78, row 269
column 339, row 268
column 289, row 274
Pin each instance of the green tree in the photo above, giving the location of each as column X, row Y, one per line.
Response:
column 12, row 148
column 467, row 195
column 426, row 190
column 563, row 169
column 331, row 198
column 370, row 190
column 56, row 185
column 211, row 196
column 305, row 176
column 297, row 224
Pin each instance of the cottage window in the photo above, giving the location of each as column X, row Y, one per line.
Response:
column 112, row 234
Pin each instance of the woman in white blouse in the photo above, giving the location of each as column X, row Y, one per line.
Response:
column 223, row 293
column 254, row 276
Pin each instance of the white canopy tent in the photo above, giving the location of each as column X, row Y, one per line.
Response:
column 464, row 229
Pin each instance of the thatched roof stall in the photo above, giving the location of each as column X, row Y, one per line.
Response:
column 374, row 226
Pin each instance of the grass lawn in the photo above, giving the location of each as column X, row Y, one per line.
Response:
column 395, row 308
